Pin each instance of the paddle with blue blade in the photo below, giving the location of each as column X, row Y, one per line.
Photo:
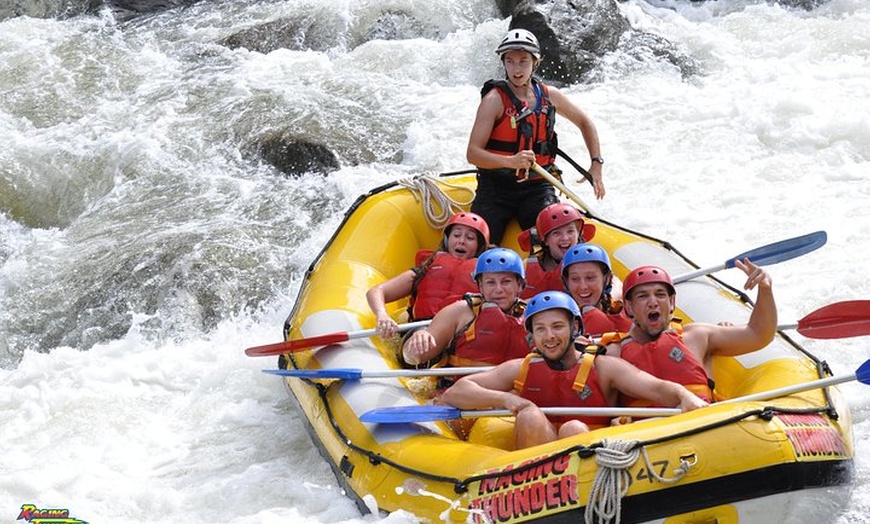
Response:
column 407, row 414
column 766, row 255
column 358, row 373
column 862, row 375
column 301, row 344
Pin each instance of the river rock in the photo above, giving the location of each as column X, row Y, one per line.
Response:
column 297, row 34
column 575, row 35
column 295, row 157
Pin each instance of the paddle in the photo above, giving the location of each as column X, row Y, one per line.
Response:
column 561, row 187
column 862, row 375
column 586, row 174
column 850, row 318
column 769, row 254
column 845, row 319
column 402, row 414
column 290, row 346
column 358, row 373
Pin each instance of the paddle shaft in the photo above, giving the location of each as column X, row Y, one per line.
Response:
column 586, row 174
column 560, row 186
column 299, row 344
column 796, row 388
column 431, row 413
column 837, row 320
column 366, row 333
column 358, row 373
column 767, row 254
column 579, row 412
column 665, row 412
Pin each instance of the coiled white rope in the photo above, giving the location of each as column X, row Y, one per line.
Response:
column 612, row 479
column 438, row 207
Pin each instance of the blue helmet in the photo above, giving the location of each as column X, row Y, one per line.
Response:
column 499, row 259
column 552, row 300
column 585, row 253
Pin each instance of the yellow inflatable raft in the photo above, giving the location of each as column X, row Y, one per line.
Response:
column 728, row 463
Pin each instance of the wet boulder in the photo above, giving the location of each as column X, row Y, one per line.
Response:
column 295, row 157
column 47, row 8
column 575, row 35
column 129, row 9
column 325, row 31
column 297, row 34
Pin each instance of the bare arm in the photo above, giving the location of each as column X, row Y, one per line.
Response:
column 379, row 296
column 425, row 344
column 708, row 340
column 618, row 374
column 489, row 110
column 488, row 390
column 566, row 108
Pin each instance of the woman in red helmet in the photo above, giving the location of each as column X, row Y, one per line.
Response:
column 440, row 277
column 558, row 228
column 513, row 128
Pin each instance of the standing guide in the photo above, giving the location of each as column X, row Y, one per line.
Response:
column 514, row 127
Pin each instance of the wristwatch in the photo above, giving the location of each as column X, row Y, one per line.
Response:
column 599, row 159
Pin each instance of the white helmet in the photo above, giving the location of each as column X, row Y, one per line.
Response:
column 519, row 40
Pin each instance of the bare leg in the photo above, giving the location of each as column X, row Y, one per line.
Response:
column 533, row 428
column 572, row 427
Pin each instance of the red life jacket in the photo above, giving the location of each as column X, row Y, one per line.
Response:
column 491, row 338
column 667, row 358
column 574, row 387
column 538, row 280
column 520, row 127
column 597, row 322
column 445, row 281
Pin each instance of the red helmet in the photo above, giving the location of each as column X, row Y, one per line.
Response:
column 557, row 215
column 472, row 220
column 646, row 275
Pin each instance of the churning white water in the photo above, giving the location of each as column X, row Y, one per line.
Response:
column 143, row 246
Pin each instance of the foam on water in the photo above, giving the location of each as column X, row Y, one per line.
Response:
column 142, row 247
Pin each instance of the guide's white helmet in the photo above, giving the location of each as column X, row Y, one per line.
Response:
column 519, row 40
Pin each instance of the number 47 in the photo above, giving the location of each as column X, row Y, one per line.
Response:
column 660, row 466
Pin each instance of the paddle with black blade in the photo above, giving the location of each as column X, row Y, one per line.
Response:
column 406, row 414
column 586, row 174
column 300, row 344
column 768, row 254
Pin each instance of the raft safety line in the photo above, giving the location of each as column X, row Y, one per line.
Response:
column 437, row 206
column 612, row 479
column 460, row 486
